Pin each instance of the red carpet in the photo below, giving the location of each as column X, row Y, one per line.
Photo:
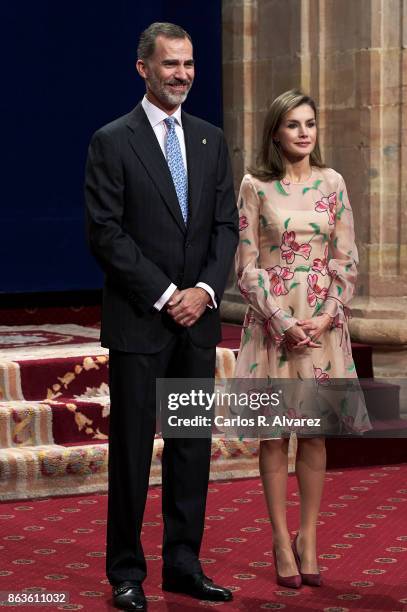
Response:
column 58, row 545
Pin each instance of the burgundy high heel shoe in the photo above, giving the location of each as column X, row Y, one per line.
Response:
column 308, row 579
column 291, row 582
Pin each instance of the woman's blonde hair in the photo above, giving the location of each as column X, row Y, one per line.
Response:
column 270, row 163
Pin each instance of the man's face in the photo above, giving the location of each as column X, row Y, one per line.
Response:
column 169, row 72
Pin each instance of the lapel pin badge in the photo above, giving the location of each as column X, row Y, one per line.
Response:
column 204, row 141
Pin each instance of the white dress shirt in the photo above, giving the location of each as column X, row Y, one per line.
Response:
column 156, row 118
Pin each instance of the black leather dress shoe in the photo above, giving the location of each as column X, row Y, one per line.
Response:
column 129, row 596
column 197, row 585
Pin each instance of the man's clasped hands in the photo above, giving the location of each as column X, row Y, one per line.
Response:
column 187, row 305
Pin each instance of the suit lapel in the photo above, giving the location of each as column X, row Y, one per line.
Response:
column 195, row 149
column 145, row 145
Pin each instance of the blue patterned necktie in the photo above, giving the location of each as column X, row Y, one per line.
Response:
column 176, row 166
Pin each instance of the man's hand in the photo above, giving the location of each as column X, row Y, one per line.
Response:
column 186, row 306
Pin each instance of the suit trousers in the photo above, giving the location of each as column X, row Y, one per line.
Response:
column 185, row 462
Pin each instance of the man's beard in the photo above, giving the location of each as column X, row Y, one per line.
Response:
column 160, row 90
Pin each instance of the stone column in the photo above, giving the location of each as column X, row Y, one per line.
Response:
column 351, row 57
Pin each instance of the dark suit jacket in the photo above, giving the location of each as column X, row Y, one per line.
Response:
column 139, row 238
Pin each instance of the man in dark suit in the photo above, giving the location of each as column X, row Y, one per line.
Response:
column 162, row 224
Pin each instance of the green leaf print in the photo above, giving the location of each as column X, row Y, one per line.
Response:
column 286, row 222
column 341, row 196
column 339, row 289
column 344, row 409
column 328, row 367
column 260, row 281
column 325, row 237
column 315, row 227
column 261, row 194
column 336, row 243
column 280, row 188
column 351, row 368
column 283, row 359
column 245, row 241
column 263, row 220
column 317, row 309
column 253, row 367
column 247, row 334
column 273, row 248
column 339, row 213
column 302, row 269
column 293, row 285
column 348, row 267
column 315, row 185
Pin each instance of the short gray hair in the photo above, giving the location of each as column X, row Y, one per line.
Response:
column 146, row 45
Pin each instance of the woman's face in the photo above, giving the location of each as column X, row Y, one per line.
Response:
column 297, row 133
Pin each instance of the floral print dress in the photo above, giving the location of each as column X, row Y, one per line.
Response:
column 296, row 260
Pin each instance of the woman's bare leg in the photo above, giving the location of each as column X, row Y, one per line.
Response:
column 310, row 470
column 273, row 464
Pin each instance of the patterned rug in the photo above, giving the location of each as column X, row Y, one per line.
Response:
column 58, row 545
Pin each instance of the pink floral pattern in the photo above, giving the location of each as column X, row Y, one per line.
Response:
column 327, row 204
column 278, row 275
column 321, row 265
column 288, row 236
column 290, row 248
column 321, row 377
column 299, row 264
column 314, row 291
column 243, row 223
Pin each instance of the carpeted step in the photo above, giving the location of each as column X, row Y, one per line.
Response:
column 49, row 379
column 40, row 471
column 64, row 394
column 67, row 421
column 382, row 399
column 357, row 452
column 389, row 428
column 49, row 362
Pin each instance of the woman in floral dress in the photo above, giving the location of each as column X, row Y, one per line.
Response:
column 296, row 267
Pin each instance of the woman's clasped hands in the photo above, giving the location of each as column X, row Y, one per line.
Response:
column 306, row 332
